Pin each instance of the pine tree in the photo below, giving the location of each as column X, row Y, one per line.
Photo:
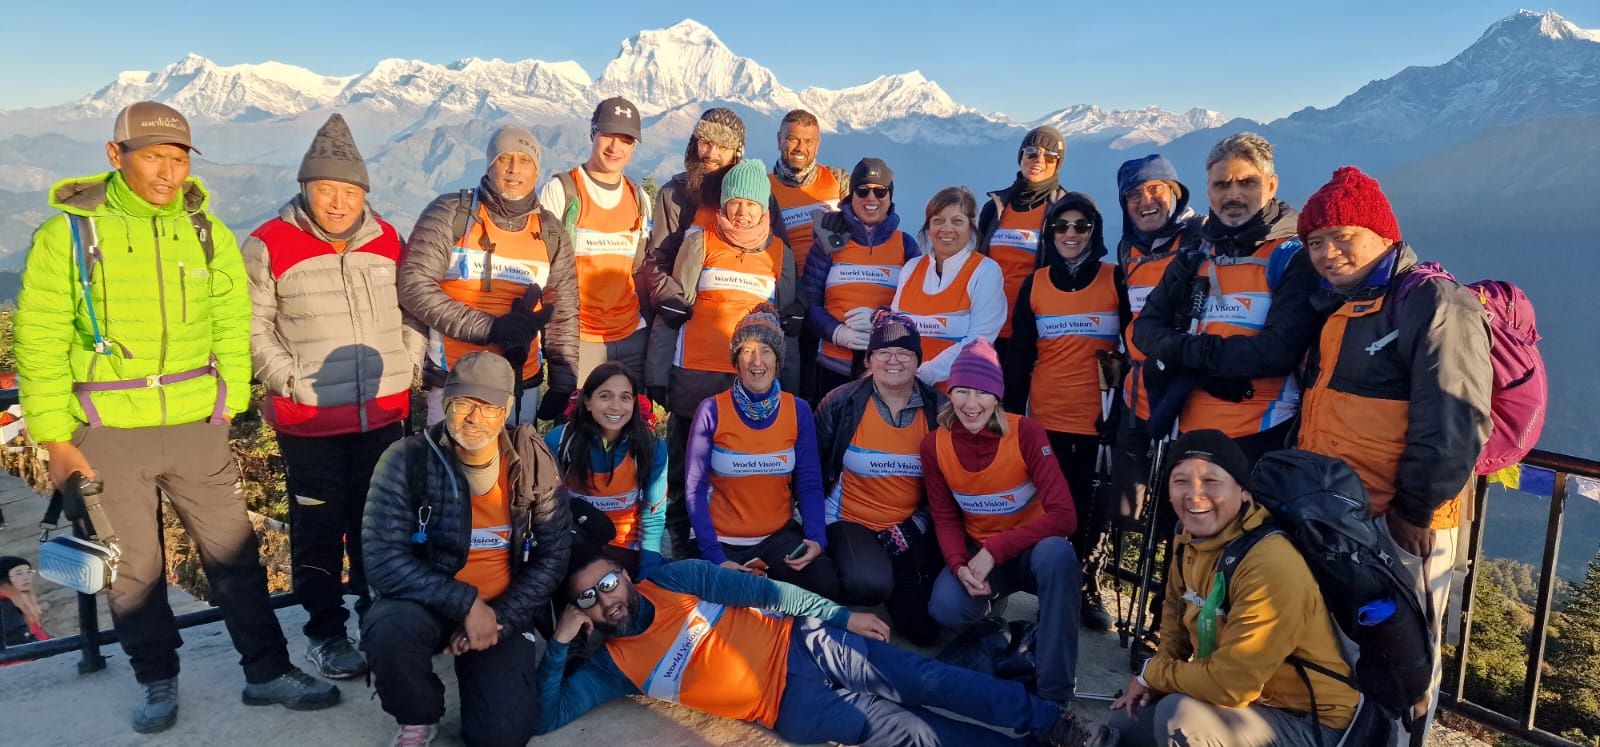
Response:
column 1573, row 658
column 648, row 184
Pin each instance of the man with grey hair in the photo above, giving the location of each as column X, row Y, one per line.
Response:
column 1230, row 365
column 465, row 537
column 488, row 269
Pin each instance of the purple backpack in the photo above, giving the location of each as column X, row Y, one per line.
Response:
column 1520, row 392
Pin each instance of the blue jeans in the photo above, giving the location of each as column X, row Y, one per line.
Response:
column 1050, row 570
column 847, row 689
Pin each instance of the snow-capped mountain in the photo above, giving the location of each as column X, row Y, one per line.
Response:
column 1126, row 129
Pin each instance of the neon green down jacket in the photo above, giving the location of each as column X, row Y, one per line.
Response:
column 161, row 308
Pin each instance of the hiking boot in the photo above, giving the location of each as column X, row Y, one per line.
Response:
column 160, row 707
column 415, row 735
column 294, row 690
column 1093, row 612
column 1069, row 731
column 336, row 658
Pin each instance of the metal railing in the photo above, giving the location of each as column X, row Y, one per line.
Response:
column 1523, row 723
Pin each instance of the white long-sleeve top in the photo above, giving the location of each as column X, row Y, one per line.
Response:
column 987, row 290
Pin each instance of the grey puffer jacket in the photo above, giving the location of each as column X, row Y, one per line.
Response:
column 427, row 257
column 327, row 331
column 423, row 470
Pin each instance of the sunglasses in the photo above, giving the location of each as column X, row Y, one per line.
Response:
column 588, row 597
column 1034, row 151
column 1081, row 226
column 878, row 192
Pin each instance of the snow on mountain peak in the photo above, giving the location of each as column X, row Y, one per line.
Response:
column 663, row 68
column 1130, row 128
column 1528, row 24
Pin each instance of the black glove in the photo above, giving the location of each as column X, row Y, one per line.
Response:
column 512, row 330
column 1107, row 428
column 674, row 313
column 834, row 222
column 792, row 324
column 529, row 304
column 1228, row 388
column 554, row 405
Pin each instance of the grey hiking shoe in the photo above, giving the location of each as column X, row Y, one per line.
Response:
column 294, row 690
column 415, row 735
column 336, row 658
column 160, row 707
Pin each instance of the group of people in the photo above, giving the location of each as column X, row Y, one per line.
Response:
column 858, row 415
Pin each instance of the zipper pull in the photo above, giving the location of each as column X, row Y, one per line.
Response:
column 527, row 545
column 420, row 537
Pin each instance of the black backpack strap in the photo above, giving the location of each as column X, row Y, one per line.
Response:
column 1233, row 554
column 202, row 231
column 418, row 452
column 466, row 207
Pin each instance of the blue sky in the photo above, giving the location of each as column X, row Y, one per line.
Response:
column 1244, row 58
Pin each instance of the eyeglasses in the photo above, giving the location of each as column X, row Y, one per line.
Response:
column 887, row 354
column 878, row 192
column 588, row 597
column 464, row 407
column 1152, row 191
column 1034, row 151
column 1081, row 226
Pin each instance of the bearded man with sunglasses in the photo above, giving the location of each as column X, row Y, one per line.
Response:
column 465, row 539
column 742, row 646
column 1011, row 221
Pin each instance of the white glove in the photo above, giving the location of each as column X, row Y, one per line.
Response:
column 926, row 373
column 859, row 319
column 845, row 337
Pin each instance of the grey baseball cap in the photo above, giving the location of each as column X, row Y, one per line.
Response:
column 482, row 376
column 146, row 123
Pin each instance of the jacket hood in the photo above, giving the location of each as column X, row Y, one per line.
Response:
column 108, row 194
column 869, row 236
column 1048, row 256
column 295, row 213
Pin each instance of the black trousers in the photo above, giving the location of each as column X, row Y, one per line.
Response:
column 1076, row 453
column 829, row 380
column 498, row 689
column 678, row 525
column 818, row 576
column 328, row 480
column 869, row 576
column 193, row 467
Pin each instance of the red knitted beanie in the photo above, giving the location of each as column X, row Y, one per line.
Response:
column 1350, row 199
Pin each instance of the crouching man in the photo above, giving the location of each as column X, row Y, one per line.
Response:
column 708, row 638
column 465, row 540
column 1232, row 682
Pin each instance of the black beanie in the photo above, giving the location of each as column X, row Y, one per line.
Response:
column 892, row 329
column 872, row 171
column 1215, row 447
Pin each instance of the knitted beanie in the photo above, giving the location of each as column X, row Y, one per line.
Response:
column 721, row 126
column 977, row 366
column 1350, row 199
column 1046, row 137
column 747, row 180
column 512, row 139
column 892, row 329
column 872, row 171
column 761, row 325
column 1215, row 447
column 333, row 156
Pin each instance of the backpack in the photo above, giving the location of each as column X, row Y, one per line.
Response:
column 1520, row 394
column 1319, row 504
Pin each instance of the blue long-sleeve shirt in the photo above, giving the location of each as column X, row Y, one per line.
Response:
column 653, row 502
column 697, row 475
column 819, row 262
column 563, row 699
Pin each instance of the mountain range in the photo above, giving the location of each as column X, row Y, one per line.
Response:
column 1492, row 154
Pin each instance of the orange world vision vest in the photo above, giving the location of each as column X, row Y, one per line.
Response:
column 751, row 470
column 1014, row 245
column 1143, row 273
column 731, row 283
column 998, row 498
column 880, row 483
column 861, row 276
column 795, row 205
column 488, row 565
column 616, row 494
column 1241, row 296
column 605, row 244
column 942, row 318
column 1368, row 433
column 1074, row 327
column 725, row 661
column 490, row 269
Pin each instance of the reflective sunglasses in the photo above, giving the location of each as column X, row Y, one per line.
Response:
column 878, row 192
column 1081, row 226
column 588, row 597
column 1034, row 151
